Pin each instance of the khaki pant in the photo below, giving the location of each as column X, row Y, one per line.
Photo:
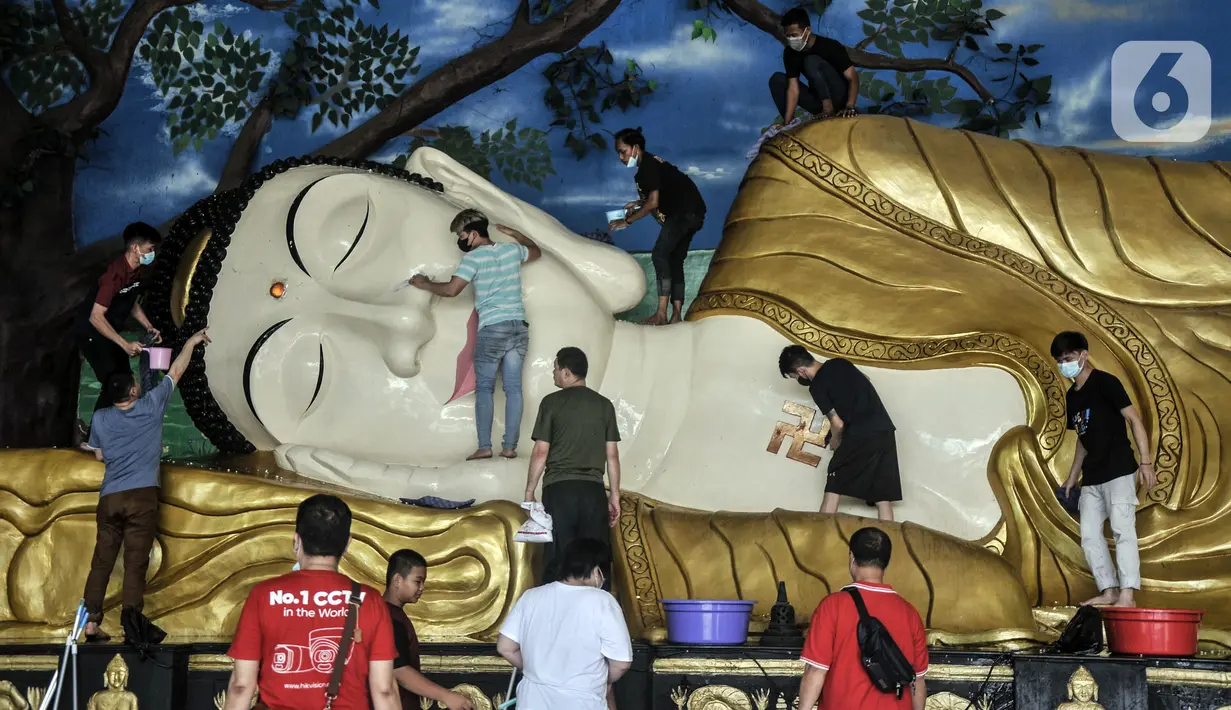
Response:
column 129, row 519
column 1117, row 500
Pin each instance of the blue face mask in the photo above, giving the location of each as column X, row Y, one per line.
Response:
column 632, row 161
column 147, row 259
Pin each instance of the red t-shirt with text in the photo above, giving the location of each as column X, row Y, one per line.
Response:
column 293, row 625
column 833, row 646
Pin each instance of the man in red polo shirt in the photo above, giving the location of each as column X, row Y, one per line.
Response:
column 833, row 669
column 112, row 300
column 291, row 627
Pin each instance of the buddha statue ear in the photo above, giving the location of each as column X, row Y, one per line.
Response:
column 615, row 278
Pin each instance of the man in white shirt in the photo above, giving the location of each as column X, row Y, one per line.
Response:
column 568, row 638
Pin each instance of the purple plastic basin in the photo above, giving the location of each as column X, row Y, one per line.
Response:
column 707, row 621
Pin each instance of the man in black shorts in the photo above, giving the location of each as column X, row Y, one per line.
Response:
column 833, row 82
column 861, row 434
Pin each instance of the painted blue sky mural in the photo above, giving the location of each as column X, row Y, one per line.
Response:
column 709, row 104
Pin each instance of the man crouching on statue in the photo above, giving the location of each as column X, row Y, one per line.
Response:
column 127, row 437
column 861, row 434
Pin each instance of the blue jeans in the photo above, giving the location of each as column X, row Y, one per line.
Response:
column 499, row 347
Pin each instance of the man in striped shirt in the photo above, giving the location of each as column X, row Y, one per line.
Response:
column 495, row 270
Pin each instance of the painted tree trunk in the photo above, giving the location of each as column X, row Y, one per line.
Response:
column 43, row 281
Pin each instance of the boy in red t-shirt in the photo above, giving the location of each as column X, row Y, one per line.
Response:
column 291, row 628
column 831, row 655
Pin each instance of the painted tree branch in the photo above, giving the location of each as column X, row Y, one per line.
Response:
column 90, row 108
column 872, row 60
column 70, row 32
column 247, row 143
column 522, row 16
column 471, row 72
column 275, row 5
column 758, row 15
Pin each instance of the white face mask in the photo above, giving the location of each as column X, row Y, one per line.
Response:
column 1070, row 370
column 797, row 43
column 632, row 161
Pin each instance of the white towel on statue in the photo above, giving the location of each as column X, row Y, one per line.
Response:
column 770, row 133
column 538, row 527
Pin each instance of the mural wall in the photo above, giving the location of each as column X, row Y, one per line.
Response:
column 117, row 111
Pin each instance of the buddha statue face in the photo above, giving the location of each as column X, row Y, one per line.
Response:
column 1082, row 687
column 116, row 676
column 317, row 340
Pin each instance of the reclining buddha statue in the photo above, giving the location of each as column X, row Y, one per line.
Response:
column 939, row 261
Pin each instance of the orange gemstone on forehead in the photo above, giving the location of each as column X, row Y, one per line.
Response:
column 277, row 290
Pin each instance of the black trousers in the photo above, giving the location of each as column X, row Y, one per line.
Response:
column 671, row 250
column 824, row 82
column 578, row 509
column 105, row 358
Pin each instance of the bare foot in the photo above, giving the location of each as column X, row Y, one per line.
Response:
column 480, row 454
column 94, row 633
column 508, row 453
column 656, row 319
column 1111, row 596
column 1126, row 599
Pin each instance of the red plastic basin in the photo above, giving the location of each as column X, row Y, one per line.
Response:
column 1152, row 632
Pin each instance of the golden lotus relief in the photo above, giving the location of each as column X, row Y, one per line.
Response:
column 220, row 700
column 13, row 699
column 953, row 701
column 477, row 698
column 723, row 697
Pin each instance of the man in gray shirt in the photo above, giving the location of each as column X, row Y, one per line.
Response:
column 127, row 438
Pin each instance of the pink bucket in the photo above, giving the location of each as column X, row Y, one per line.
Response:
column 160, row 358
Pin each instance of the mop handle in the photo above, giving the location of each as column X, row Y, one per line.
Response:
column 511, row 701
column 51, row 699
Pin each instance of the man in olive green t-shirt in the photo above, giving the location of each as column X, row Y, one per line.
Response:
column 575, row 436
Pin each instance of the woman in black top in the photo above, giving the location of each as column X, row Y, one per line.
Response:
column 674, row 200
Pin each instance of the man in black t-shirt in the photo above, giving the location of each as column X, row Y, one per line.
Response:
column 861, row 434
column 674, row 200
column 833, row 82
column 1098, row 408
column 404, row 580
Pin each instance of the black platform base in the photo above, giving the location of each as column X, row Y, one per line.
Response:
column 194, row 677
